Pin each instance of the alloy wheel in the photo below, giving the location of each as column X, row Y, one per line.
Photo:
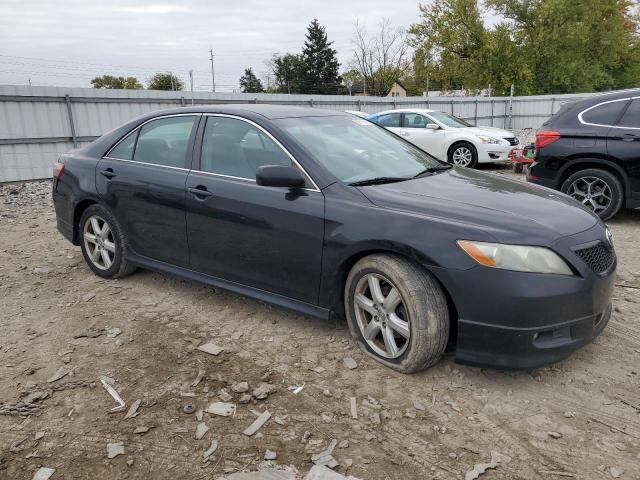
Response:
column 382, row 315
column 592, row 192
column 462, row 156
column 99, row 242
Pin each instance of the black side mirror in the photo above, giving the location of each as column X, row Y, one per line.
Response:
column 279, row 176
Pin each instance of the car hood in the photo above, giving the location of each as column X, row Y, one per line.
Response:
column 491, row 131
column 509, row 210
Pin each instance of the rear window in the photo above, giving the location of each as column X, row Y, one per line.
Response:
column 605, row 113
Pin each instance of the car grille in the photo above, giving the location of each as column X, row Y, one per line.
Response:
column 512, row 140
column 599, row 258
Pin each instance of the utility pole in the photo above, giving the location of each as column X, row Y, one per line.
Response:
column 191, row 84
column 428, row 65
column 213, row 75
column 171, row 77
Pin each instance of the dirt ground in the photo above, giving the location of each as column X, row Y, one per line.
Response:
column 579, row 418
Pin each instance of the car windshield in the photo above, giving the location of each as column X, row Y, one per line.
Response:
column 449, row 120
column 356, row 150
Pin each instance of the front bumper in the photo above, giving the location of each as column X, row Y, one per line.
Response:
column 515, row 320
column 494, row 153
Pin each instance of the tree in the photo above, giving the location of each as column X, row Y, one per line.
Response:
column 350, row 78
column 108, row 81
column 165, row 81
column 289, row 72
column 381, row 59
column 321, row 63
column 249, row 83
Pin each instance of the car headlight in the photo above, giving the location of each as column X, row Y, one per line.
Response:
column 520, row 258
column 490, row 140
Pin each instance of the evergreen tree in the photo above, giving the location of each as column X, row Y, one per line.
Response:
column 290, row 73
column 321, row 64
column 249, row 83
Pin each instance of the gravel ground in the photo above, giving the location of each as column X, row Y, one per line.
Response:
column 578, row 418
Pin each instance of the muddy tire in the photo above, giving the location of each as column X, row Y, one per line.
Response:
column 598, row 190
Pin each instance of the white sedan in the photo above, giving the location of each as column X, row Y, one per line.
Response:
column 448, row 138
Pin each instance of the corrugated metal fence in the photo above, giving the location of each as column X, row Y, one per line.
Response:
column 37, row 124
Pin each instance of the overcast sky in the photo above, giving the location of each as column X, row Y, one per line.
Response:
column 68, row 42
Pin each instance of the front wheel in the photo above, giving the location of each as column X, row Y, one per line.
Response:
column 397, row 312
column 596, row 189
column 463, row 155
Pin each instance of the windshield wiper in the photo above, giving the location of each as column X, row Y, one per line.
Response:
column 377, row 181
column 432, row 170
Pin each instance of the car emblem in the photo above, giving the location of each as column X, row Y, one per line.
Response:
column 609, row 236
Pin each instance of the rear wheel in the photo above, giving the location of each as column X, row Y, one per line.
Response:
column 463, row 155
column 103, row 243
column 396, row 312
column 596, row 189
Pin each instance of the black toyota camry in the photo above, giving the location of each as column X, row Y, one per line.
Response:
column 328, row 214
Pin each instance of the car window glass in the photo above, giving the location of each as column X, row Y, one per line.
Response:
column 389, row 120
column 449, row 120
column 631, row 117
column 236, row 148
column 124, row 150
column 605, row 114
column 414, row 120
column 164, row 141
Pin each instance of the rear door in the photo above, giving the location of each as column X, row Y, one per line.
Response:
column 623, row 143
column 142, row 180
column 268, row 238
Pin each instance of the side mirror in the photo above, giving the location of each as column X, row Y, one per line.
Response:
column 433, row 126
column 279, row 176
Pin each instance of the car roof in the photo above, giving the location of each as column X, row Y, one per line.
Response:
column 243, row 109
column 406, row 110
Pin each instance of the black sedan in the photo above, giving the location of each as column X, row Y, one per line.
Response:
column 326, row 213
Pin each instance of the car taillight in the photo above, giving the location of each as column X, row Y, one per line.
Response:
column 544, row 138
column 58, row 169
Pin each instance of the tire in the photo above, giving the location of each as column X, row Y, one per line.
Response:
column 460, row 148
column 597, row 189
column 422, row 302
column 94, row 239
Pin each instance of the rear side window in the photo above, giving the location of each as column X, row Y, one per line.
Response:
column 414, row 120
column 631, row 117
column 604, row 114
column 236, row 148
column 389, row 120
column 164, row 141
column 124, row 150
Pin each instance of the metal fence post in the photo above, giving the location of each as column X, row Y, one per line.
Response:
column 492, row 112
column 475, row 115
column 451, row 107
column 311, row 102
column 72, row 124
column 553, row 105
column 182, row 101
column 359, row 103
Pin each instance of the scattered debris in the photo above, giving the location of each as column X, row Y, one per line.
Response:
column 344, row 444
column 142, row 429
column 189, row 408
column 295, row 389
column 554, row 434
column 38, row 435
column 61, row 373
column 354, row 407
column 199, row 414
column 113, row 332
column 88, row 296
column 454, row 406
column 133, row 410
column 116, row 396
column 201, row 430
column 280, row 420
column 263, row 390
column 224, row 395
column 616, row 472
column 270, row 455
column 211, row 450
column 321, row 472
column 244, row 399
column 115, row 449
column 375, row 418
column 480, row 468
column 199, row 378
column 44, row 473
column 222, row 409
column 318, row 369
column 350, row 363
column 211, row 348
column 259, row 422
column 418, row 405
column 240, row 387
column 43, row 269
column 325, row 457
column 91, row 332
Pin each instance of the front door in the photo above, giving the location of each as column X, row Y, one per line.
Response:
column 142, row 180
column 429, row 140
column 623, row 143
column 268, row 238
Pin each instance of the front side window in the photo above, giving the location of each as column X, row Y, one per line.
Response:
column 449, row 120
column 605, row 114
column 389, row 120
column 414, row 120
column 354, row 150
column 631, row 117
column 164, row 141
column 236, row 148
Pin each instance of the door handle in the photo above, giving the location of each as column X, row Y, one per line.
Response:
column 108, row 173
column 200, row 192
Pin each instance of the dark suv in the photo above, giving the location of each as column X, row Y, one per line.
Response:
column 590, row 150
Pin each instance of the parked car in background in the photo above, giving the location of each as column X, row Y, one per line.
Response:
column 590, row 150
column 357, row 113
column 326, row 213
column 449, row 138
